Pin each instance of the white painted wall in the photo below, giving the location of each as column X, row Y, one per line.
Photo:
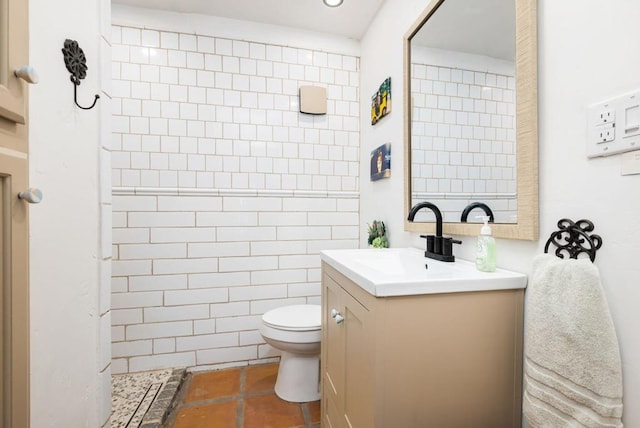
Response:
column 381, row 57
column 572, row 37
column 70, row 364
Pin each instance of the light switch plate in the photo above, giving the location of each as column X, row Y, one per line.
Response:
column 613, row 126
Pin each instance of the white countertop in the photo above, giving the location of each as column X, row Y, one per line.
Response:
column 388, row 272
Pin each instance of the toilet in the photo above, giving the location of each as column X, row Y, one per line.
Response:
column 295, row 331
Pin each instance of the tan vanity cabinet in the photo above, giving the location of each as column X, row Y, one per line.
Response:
column 432, row 360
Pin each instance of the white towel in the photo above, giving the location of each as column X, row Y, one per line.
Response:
column 572, row 370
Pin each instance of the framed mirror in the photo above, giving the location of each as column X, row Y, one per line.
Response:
column 471, row 138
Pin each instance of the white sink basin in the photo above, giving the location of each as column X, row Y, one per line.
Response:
column 405, row 271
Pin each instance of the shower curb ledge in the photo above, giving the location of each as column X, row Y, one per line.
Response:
column 162, row 405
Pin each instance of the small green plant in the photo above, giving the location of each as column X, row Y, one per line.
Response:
column 377, row 235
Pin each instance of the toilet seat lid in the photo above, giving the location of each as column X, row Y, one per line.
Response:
column 294, row 317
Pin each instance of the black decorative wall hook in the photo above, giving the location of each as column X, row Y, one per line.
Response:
column 574, row 238
column 76, row 64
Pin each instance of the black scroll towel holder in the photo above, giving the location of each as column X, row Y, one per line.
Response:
column 574, row 238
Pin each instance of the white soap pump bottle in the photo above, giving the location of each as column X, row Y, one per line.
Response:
column 486, row 248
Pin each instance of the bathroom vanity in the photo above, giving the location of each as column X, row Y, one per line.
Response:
column 404, row 345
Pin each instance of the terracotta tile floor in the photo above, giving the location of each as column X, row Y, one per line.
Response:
column 239, row 398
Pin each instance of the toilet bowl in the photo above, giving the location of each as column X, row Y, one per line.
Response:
column 295, row 331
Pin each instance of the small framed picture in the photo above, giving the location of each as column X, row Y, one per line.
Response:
column 381, row 162
column 381, row 101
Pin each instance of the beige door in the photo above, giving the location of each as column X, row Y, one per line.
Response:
column 14, row 284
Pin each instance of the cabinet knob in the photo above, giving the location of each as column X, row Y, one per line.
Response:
column 335, row 314
column 27, row 73
column 32, row 195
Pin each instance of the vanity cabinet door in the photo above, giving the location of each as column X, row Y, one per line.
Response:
column 359, row 373
column 332, row 363
column 346, row 363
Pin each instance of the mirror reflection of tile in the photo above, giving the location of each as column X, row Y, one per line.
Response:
column 463, row 139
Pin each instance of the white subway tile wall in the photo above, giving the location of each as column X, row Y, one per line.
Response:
column 463, row 140
column 224, row 194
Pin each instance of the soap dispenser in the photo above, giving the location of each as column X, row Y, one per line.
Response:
column 486, row 248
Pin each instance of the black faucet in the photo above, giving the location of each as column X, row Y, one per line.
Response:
column 471, row 206
column 438, row 247
column 432, row 207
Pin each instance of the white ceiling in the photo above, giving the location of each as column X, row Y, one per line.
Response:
column 349, row 20
column 481, row 28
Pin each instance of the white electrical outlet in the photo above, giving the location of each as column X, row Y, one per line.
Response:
column 605, row 133
column 607, row 115
column 613, row 126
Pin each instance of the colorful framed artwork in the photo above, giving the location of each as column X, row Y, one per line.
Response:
column 381, row 101
column 381, row 162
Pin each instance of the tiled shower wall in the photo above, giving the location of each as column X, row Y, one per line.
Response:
column 463, row 139
column 224, row 193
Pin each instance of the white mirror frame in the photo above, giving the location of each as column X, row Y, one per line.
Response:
column 526, row 130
